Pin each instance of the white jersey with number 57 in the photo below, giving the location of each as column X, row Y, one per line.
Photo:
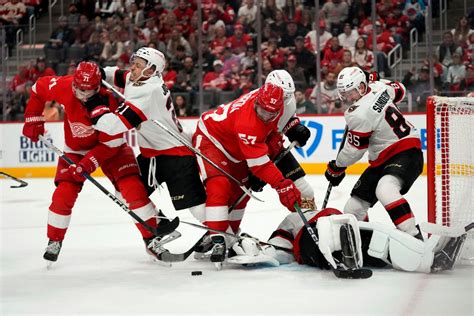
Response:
column 375, row 123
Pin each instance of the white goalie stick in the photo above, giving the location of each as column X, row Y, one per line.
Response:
column 185, row 142
column 340, row 270
column 21, row 182
column 178, row 257
column 445, row 231
column 160, row 231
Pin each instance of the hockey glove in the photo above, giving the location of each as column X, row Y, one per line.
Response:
column 295, row 131
column 335, row 174
column 34, row 126
column 274, row 143
column 289, row 194
column 85, row 165
column 255, row 183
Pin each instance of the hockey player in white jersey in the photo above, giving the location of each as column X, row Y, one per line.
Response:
column 162, row 158
column 375, row 124
column 375, row 244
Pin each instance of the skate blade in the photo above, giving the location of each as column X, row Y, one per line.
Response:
column 49, row 264
column 159, row 262
column 218, row 265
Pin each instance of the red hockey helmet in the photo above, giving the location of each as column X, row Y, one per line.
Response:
column 269, row 102
column 87, row 76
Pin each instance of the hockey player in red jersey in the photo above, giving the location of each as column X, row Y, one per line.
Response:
column 233, row 136
column 375, row 124
column 88, row 148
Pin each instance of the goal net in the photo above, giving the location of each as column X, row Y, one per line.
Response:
column 450, row 135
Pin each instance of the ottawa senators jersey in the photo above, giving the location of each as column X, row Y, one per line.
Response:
column 237, row 131
column 146, row 101
column 80, row 136
column 376, row 124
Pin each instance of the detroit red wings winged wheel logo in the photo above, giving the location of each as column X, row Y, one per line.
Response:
column 81, row 130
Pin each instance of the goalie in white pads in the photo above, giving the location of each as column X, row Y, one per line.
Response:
column 375, row 244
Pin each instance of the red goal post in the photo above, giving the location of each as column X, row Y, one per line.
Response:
column 450, row 155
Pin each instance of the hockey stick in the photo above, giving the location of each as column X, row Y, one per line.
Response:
column 445, row 231
column 159, row 231
column 22, row 183
column 185, row 142
column 339, row 269
column 171, row 257
column 328, row 191
column 277, row 160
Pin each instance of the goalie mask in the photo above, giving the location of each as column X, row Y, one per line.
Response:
column 349, row 84
column 269, row 102
column 282, row 79
column 86, row 82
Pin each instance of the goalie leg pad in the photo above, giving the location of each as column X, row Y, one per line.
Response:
column 249, row 251
column 405, row 252
column 329, row 228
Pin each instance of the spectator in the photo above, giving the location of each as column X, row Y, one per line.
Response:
column 246, row 84
column 20, row 80
column 169, row 76
column 292, row 11
column 176, row 39
column 94, row 47
column 269, row 10
column 106, row 8
column 274, row 54
column 303, row 106
column 248, row 11
column 279, row 25
column 183, row 13
column 210, row 26
column 420, row 87
column 71, row 69
column 296, row 72
column 266, row 68
column 348, row 38
column 288, row 38
column 234, row 77
column 384, row 39
column 304, row 58
column 462, row 32
column 83, row 31
column 467, row 84
column 306, row 22
column 73, row 16
column 328, row 91
column 180, row 106
column 238, row 42
column 215, row 80
column 346, row 61
column 362, row 56
column 456, row 72
column 220, row 41
column 150, row 27
column 136, row 15
column 207, row 57
column 187, row 79
column 333, row 53
column 447, row 49
column 177, row 61
column 249, row 60
column 61, row 39
column 52, row 111
column 41, row 70
column 113, row 48
column 224, row 12
column 229, row 60
column 310, row 38
column 335, row 12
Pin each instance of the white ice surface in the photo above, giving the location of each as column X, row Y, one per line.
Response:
column 103, row 268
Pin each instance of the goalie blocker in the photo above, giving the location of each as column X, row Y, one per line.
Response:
column 366, row 244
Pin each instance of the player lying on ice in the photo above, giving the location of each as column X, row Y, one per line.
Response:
column 375, row 244
column 79, row 95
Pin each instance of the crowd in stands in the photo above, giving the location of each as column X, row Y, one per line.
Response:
column 108, row 31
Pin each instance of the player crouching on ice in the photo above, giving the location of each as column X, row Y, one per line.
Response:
column 79, row 94
column 366, row 244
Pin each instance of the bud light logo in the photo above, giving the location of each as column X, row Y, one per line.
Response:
column 31, row 152
column 313, row 142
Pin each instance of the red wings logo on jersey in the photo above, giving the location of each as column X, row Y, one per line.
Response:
column 81, row 130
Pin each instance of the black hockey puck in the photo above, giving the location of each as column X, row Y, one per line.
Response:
column 196, row 273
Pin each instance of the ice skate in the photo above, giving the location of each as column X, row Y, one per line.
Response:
column 154, row 246
column 218, row 250
column 203, row 251
column 52, row 252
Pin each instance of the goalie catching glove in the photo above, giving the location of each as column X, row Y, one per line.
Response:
column 247, row 250
column 335, row 174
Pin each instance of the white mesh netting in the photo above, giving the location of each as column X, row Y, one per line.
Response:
column 454, row 165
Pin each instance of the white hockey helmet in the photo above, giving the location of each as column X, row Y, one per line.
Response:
column 153, row 57
column 348, row 84
column 282, row 79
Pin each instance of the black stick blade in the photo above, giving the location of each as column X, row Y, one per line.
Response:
column 353, row 274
